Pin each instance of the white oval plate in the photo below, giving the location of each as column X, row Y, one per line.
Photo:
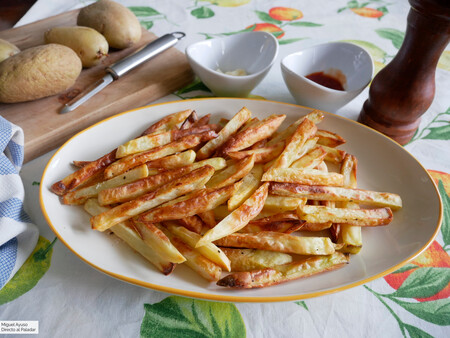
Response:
column 383, row 165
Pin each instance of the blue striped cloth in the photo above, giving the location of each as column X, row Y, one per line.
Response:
column 18, row 236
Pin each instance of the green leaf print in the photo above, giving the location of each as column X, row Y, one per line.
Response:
column 30, row 272
column 184, row 317
column 304, row 24
column 436, row 311
column 302, row 304
column 263, row 16
column 193, row 86
column 406, row 267
column 439, row 133
column 394, row 35
column 423, row 282
column 415, row 332
column 376, row 52
column 147, row 24
column 143, row 11
column 202, row 12
column 445, row 227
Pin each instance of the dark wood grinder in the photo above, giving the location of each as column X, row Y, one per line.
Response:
column 402, row 91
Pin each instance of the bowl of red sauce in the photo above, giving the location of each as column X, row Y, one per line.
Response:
column 327, row 76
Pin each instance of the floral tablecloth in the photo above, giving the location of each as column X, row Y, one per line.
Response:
column 70, row 299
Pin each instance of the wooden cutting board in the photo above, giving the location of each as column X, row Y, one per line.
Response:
column 46, row 129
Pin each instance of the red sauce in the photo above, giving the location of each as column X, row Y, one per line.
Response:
column 325, row 80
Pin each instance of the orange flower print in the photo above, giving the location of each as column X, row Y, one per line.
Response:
column 368, row 12
column 268, row 27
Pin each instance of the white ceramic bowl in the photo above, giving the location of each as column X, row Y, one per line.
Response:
column 254, row 52
column 348, row 59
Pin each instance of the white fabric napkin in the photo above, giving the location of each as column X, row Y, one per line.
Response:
column 18, row 236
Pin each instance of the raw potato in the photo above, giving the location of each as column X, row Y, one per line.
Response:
column 90, row 46
column 38, row 72
column 7, row 49
column 117, row 23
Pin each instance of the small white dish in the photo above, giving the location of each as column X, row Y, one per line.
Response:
column 349, row 60
column 254, row 52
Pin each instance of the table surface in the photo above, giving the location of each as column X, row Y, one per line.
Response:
column 71, row 299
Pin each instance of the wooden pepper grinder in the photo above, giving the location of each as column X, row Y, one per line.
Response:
column 403, row 90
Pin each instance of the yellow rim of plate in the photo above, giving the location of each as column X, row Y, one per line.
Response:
column 237, row 298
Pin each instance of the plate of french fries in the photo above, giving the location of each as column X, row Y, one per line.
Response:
column 239, row 200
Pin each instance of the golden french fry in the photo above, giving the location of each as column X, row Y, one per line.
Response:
column 140, row 187
column 311, row 159
column 229, row 129
column 279, row 204
column 157, row 139
column 157, row 240
column 333, row 155
column 210, row 250
column 328, row 193
column 192, row 223
column 254, row 133
column 194, row 259
column 206, row 199
column 315, row 116
column 284, row 273
column 329, row 139
column 232, row 173
column 83, row 174
column 262, row 155
column 286, row 222
column 252, row 259
column 358, row 217
column 173, row 161
column 126, row 163
column 239, row 218
column 190, row 120
column 249, row 184
column 185, row 184
column 280, row 242
column 304, row 131
column 168, row 122
column 316, row 226
column 208, row 218
column 303, row 176
column 81, row 195
column 130, row 236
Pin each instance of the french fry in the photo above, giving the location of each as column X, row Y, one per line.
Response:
column 311, row 159
column 284, row 273
column 185, row 184
column 262, row 155
column 81, row 195
column 232, row 173
column 203, row 121
column 173, row 161
column 349, row 235
column 157, row 240
column 126, row 163
column 239, row 218
column 140, row 187
column 254, row 133
column 195, row 260
column 313, row 227
column 206, row 199
column 221, row 212
column 333, row 155
column 229, row 129
column 130, row 236
column 280, row 242
column 168, row 122
column 304, row 131
column 281, row 203
column 315, row 116
column 210, row 250
column 249, row 184
column 329, row 139
column 157, row 139
column 192, row 223
column 190, row 120
column 208, row 218
column 303, row 176
column 358, row 217
column 287, row 223
column 252, row 259
column 337, row 194
column 83, row 174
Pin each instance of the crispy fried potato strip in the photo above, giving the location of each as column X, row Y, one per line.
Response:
column 168, row 122
column 303, row 176
column 249, row 184
column 252, row 259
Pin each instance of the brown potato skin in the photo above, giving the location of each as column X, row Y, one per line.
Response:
column 38, row 72
column 117, row 23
